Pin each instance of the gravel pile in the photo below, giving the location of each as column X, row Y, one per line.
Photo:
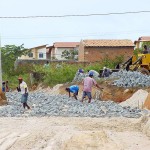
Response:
column 44, row 104
column 80, row 76
column 130, row 79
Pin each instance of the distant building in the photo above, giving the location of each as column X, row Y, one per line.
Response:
column 96, row 50
column 139, row 42
column 59, row 47
column 39, row 52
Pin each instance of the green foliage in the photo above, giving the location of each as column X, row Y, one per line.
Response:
column 69, row 54
column 53, row 75
column 145, row 43
column 137, row 51
column 9, row 54
column 111, row 63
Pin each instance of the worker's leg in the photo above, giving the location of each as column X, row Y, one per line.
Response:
column 27, row 105
column 25, row 102
column 24, row 105
column 83, row 96
column 89, row 96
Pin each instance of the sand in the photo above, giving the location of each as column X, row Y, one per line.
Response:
column 136, row 100
column 58, row 133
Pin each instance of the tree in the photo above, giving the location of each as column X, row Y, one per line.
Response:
column 9, row 54
column 69, row 54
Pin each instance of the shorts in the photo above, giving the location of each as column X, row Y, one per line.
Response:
column 24, row 98
column 88, row 94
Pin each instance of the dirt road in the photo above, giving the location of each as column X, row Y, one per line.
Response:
column 57, row 133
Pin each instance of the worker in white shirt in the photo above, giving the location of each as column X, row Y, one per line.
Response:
column 24, row 91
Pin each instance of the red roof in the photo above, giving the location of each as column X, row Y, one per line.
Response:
column 144, row 38
column 107, row 43
column 66, row 44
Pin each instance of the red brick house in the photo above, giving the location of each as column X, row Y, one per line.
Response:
column 96, row 50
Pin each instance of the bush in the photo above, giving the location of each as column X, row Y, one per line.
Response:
column 52, row 75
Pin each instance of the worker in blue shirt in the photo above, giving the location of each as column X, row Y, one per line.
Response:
column 3, row 87
column 73, row 89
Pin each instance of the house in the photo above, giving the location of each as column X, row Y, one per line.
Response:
column 96, row 50
column 58, row 48
column 39, row 52
column 139, row 42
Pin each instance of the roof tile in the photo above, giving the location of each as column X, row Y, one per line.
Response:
column 107, row 43
column 66, row 44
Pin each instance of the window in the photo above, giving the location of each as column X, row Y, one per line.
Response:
column 40, row 55
column 30, row 54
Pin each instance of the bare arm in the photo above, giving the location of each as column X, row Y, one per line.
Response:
column 69, row 93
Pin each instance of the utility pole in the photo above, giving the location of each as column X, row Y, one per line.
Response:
column 0, row 65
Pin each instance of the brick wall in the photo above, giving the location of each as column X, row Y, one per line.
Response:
column 92, row 54
column 81, row 52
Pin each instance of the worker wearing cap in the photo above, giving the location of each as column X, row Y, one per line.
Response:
column 88, row 82
column 24, row 91
column 73, row 89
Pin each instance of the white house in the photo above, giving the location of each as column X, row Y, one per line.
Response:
column 39, row 52
column 59, row 47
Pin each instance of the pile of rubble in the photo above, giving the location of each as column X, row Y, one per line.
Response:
column 80, row 76
column 44, row 104
column 130, row 79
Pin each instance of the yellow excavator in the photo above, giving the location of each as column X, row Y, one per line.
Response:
column 140, row 63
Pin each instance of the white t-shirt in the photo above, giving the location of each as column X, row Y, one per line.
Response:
column 23, row 85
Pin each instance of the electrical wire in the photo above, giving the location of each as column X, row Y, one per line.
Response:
column 80, row 15
column 72, row 36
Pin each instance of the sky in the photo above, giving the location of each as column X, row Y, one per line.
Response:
column 34, row 32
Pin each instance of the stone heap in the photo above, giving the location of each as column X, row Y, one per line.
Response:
column 80, row 76
column 130, row 79
column 44, row 104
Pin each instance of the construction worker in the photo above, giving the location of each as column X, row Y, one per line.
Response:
column 3, row 87
column 145, row 51
column 106, row 72
column 24, row 91
column 7, row 87
column 88, row 82
column 73, row 89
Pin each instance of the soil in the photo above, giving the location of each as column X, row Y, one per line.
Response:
column 57, row 133
column 3, row 100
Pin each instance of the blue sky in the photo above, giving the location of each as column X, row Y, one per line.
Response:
column 40, row 31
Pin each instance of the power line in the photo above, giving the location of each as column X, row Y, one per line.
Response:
column 80, row 15
column 73, row 36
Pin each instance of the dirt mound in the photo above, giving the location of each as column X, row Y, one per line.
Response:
column 89, row 140
column 137, row 99
column 3, row 99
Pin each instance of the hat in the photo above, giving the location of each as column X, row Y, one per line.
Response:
column 104, row 67
column 19, row 78
column 90, row 73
